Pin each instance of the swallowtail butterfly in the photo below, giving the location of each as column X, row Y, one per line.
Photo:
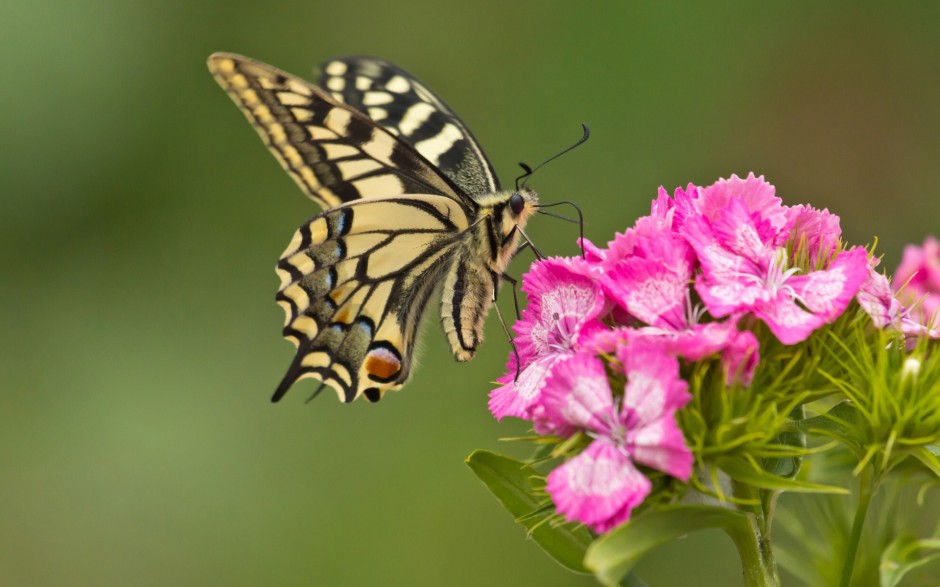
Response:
column 411, row 206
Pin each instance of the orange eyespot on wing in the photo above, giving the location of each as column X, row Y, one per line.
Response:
column 383, row 363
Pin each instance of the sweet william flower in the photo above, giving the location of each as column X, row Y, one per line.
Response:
column 881, row 303
column 917, row 280
column 602, row 485
column 756, row 194
column 661, row 219
column 876, row 297
column 652, row 285
column 746, row 269
column 817, row 231
column 565, row 302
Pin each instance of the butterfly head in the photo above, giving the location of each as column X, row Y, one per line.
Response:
column 514, row 209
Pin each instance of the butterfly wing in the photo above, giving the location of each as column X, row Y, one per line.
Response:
column 355, row 282
column 335, row 153
column 408, row 109
column 356, row 279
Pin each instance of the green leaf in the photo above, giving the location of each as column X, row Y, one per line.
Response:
column 741, row 470
column 787, row 467
column 511, row 482
column 903, row 555
column 836, row 423
column 613, row 555
column 928, row 455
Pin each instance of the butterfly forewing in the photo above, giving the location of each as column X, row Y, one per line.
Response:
column 334, row 153
column 354, row 288
column 407, row 108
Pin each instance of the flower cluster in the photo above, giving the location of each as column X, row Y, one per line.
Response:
column 602, row 340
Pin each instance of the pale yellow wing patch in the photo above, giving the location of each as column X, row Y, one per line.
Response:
column 334, row 153
column 355, row 282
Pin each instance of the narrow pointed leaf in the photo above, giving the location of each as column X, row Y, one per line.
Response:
column 510, row 481
column 836, row 423
column 742, row 471
column 905, row 554
column 929, row 456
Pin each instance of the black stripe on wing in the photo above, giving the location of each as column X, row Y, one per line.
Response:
column 335, row 153
column 407, row 108
column 354, row 287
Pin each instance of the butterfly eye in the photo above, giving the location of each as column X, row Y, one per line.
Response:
column 516, row 204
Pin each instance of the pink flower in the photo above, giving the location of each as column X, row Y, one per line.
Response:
column 601, row 486
column 661, row 219
column 758, row 197
column 564, row 304
column 918, row 280
column 652, row 284
column 876, row 297
column 817, row 231
column 740, row 357
column 881, row 303
column 745, row 269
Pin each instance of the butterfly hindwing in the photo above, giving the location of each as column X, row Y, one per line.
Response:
column 355, row 284
column 407, row 108
column 335, row 153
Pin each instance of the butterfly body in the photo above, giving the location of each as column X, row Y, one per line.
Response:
column 411, row 207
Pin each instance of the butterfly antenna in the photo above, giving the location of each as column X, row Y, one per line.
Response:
column 559, row 216
column 580, row 217
column 529, row 171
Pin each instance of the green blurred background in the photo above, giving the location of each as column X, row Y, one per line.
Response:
column 141, row 219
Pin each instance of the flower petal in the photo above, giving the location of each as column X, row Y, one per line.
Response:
column 516, row 398
column 787, row 320
column 576, row 396
column 817, row 230
column 758, row 195
column 653, row 386
column 661, row 445
column 877, row 299
column 828, row 292
column 740, row 358
column 596, row 485
column 653, row 284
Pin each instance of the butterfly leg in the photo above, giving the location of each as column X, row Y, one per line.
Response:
column 515, row 297
column 521, row 248
column 528, row 241
column 502, row 322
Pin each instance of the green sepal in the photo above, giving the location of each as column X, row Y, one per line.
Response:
column 512, row 482
column 743, row 471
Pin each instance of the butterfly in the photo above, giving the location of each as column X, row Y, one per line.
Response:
column 411, row 206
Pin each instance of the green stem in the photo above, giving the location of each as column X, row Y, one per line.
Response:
column 760, row 569
column 754, row 548
column 865, row 491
